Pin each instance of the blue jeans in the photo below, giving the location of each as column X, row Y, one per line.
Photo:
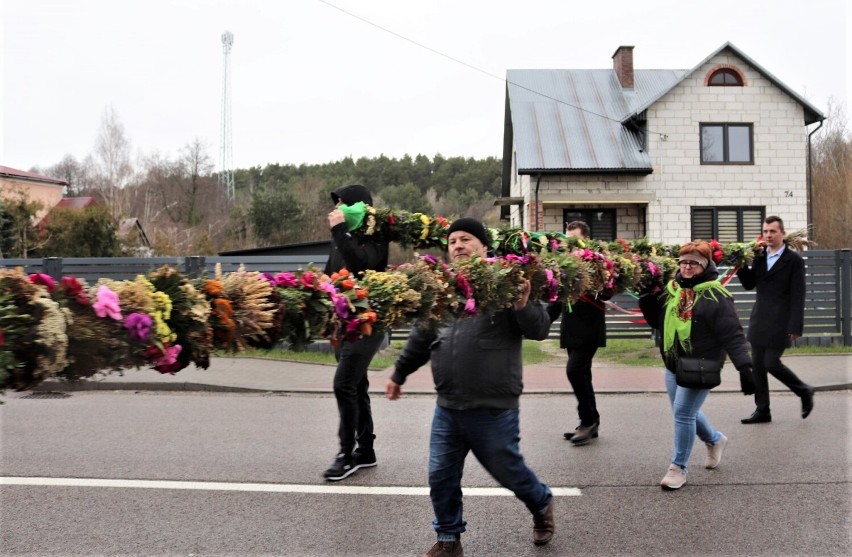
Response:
column 689, row 420
column 493, row 435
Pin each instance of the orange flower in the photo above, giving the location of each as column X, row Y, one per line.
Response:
column 348, row 284
column 366, row 329
column 222, row 308
column 213, row 288
column 361, row 294
column 341, row 274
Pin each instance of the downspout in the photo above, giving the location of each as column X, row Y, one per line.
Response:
column 537, row 184
column 811, row 184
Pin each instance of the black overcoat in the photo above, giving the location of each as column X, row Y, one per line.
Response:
column 780, row 306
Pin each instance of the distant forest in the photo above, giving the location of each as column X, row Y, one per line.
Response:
column 287, row 203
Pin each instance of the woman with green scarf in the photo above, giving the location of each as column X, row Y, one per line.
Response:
column 697, row 318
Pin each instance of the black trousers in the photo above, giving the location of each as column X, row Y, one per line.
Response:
column 579, row 372
column 351, row 391
column 768, row 360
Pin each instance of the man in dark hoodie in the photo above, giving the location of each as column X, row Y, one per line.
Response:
column 353, row 358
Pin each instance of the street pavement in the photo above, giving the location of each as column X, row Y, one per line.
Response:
column 229, row 461
column 206, row 473
column 242, row 374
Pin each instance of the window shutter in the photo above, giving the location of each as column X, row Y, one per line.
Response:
column 752, row 224
column 702, row 224
column 602, row 225
column 728, row 228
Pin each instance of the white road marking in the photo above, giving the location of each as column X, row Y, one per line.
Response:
column 268, row 488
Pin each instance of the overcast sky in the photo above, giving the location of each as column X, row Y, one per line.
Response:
column 313, row 84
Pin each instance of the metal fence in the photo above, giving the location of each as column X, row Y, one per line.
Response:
column 828, row 303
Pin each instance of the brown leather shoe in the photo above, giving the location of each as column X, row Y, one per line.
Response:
column 445, row 549
column 544, row 526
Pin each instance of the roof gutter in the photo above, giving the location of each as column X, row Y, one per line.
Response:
column 584, row 171
column 811, row 181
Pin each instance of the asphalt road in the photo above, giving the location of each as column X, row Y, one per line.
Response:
column 782, row 488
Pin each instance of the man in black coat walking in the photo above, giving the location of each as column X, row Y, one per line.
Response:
column 581, row 332
column 351, row 387
column 777, row 318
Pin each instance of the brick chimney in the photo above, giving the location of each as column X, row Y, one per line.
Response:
column 622, row 63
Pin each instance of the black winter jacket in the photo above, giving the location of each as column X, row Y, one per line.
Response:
column 346, row 250
column 584, row 325
column 716, row 328
column 476, row 361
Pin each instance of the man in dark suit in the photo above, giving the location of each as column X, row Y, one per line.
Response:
column 777, row 318
column 581, row 331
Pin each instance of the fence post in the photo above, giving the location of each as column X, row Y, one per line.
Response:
column 194, row 266
column 844, row 296
column 53, row 266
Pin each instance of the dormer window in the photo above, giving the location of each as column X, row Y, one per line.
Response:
column 725, row 77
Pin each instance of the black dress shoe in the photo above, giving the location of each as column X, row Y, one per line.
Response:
column 757, row 418
column 568, row 435
column 807, row 403
column 584, row 434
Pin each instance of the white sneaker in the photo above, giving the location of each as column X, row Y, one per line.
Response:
column 674, row 478
column 714, row 453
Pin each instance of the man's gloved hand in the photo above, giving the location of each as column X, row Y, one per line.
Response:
column 746, row 380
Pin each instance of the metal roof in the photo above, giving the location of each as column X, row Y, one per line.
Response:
column 571, row 120
column 583, row 121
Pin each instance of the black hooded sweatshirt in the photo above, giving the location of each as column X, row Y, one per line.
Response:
column 348, row 251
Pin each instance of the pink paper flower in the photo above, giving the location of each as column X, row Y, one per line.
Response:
column 286, row 280
column 165, row 361
column 308, row 280
column 107, row 304
column 44, row 280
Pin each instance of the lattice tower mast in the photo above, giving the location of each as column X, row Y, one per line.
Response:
column 226, row 148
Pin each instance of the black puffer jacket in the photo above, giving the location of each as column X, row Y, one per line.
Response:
column 716, row 328
column 346, row 250
column 476, row 361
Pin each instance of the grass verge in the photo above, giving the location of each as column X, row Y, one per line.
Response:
column 533, row 353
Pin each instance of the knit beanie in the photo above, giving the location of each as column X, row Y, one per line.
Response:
column 471, row 226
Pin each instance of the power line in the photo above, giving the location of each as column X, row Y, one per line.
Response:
column 475, row 68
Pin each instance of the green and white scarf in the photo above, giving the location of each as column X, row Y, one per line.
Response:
column 677, row 323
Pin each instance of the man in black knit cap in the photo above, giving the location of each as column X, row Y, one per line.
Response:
column 477, row 369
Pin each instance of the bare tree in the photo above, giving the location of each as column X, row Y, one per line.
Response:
column 832, row 180
column 112, row 150
column 77, row 174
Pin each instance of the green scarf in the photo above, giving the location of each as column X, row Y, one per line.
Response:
column 354, row 214
column 677, row 323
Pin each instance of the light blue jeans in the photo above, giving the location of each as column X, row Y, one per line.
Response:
column 689, row 420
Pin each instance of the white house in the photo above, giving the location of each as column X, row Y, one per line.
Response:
column 671, row 155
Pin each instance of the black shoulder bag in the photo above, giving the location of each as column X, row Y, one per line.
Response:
column 698, row 373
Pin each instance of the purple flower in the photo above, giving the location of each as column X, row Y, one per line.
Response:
column 470, row 306
column 138, row 325
column 341, row 306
